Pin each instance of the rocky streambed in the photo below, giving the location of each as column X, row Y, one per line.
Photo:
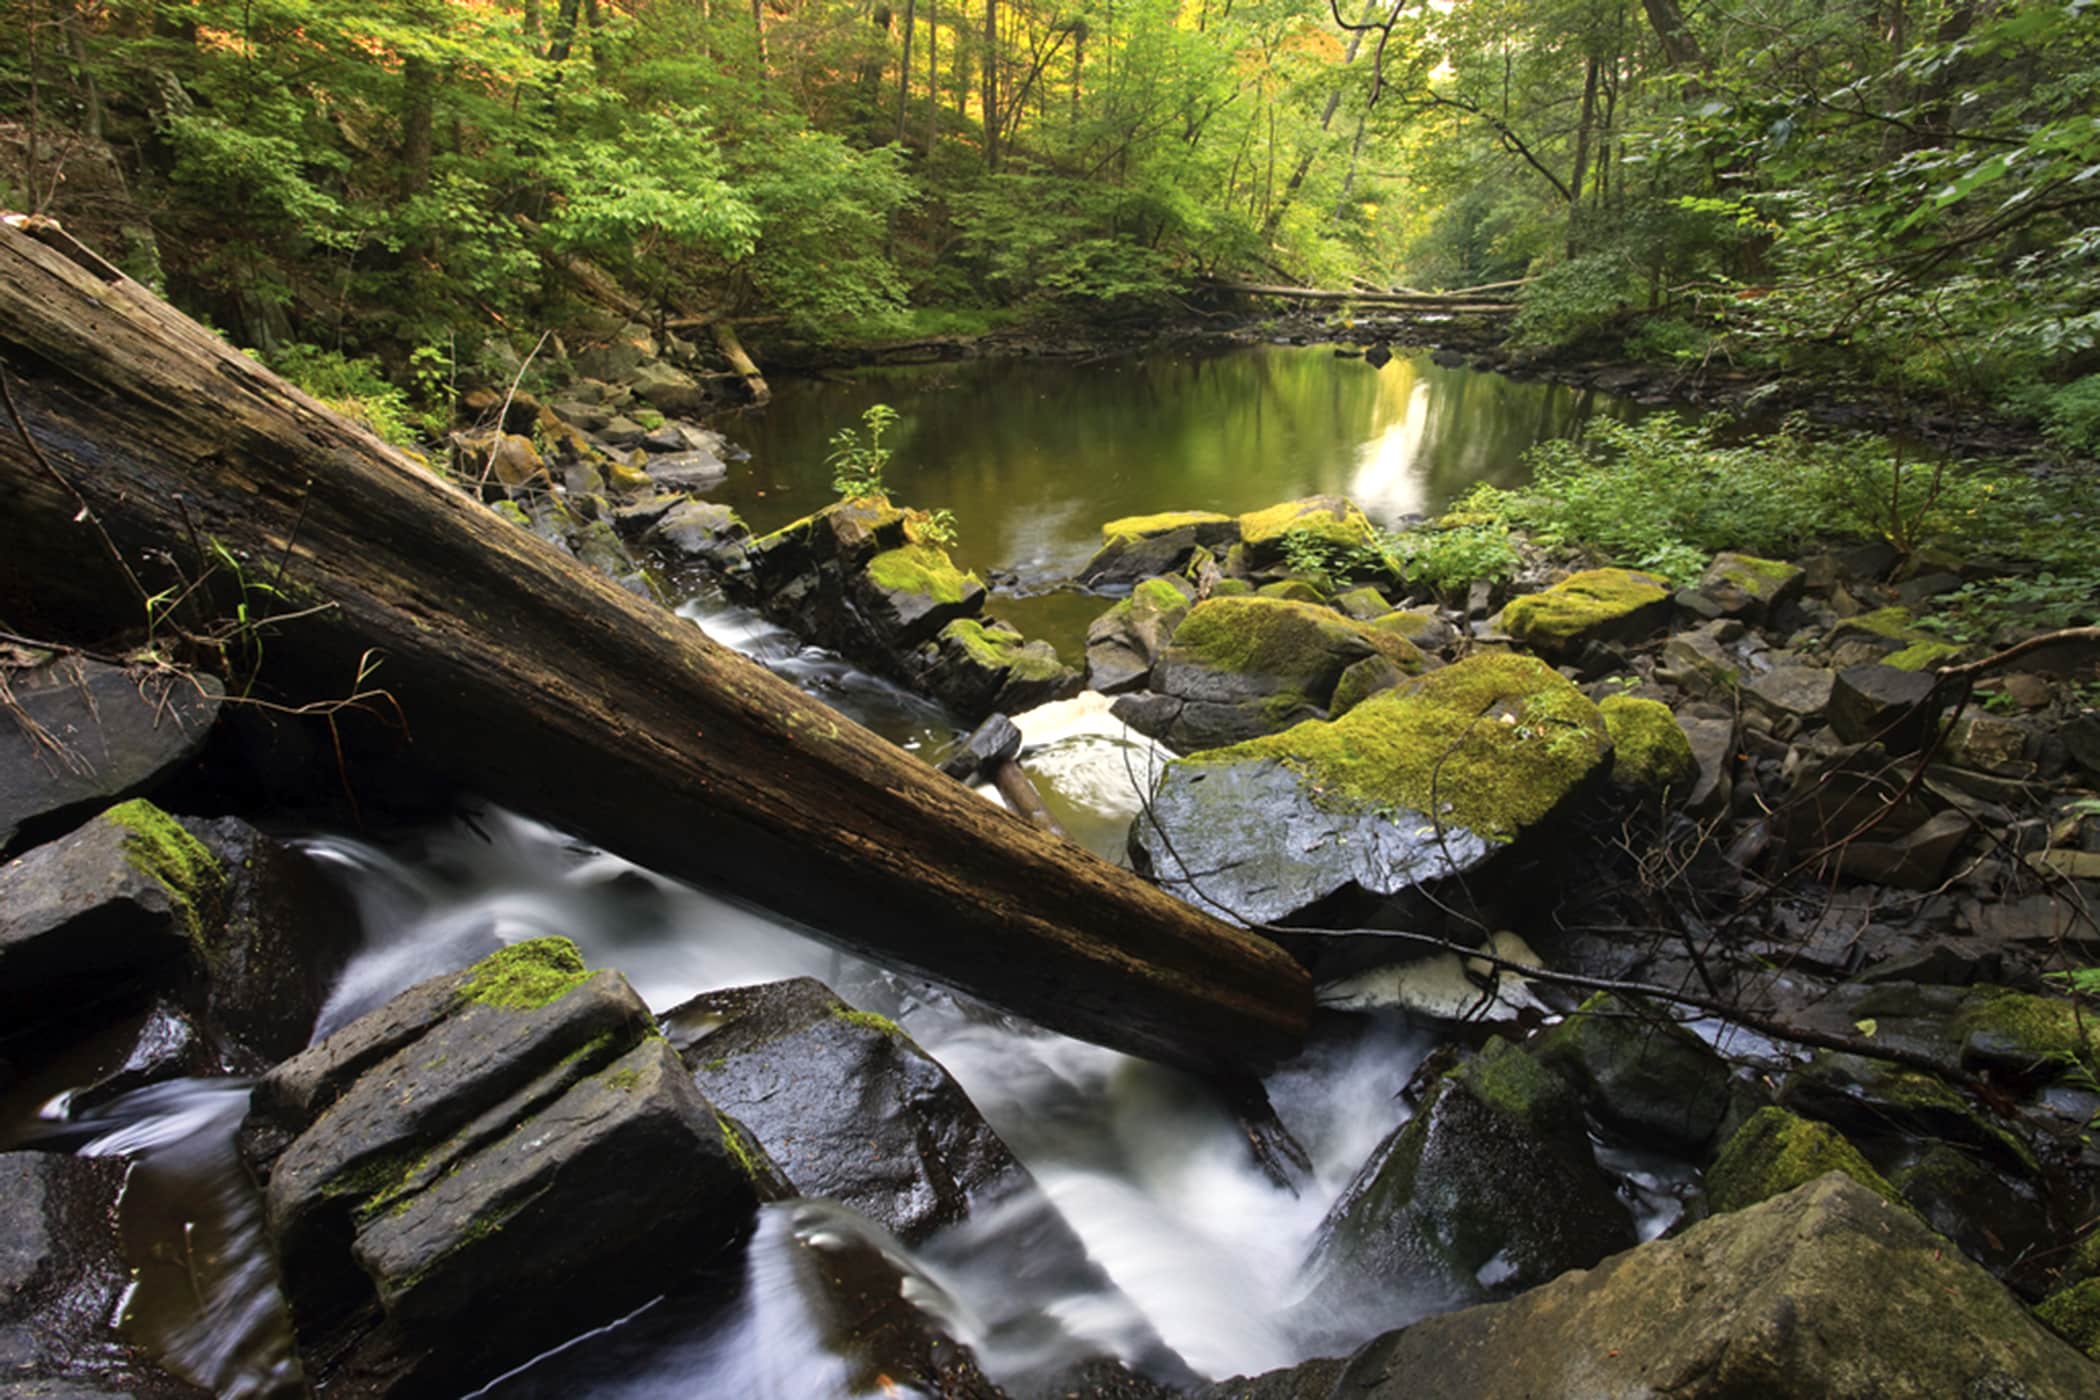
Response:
column 1637, row 913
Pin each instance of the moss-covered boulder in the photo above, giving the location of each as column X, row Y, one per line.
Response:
column 979, row 668
column 1146, row 546
column 1425, row 629
column 1642, row 1075
column 1775, row 1151
column 1247, row 666
column 846, row 1104
column 496, row 1157
column 1826, row 1293
column 1333, row 524
column 906, row 595
column 699, row 532
column 1598, row 605
column 1296, row 590
column 1426, row 780
column 1490, row 1189
column 1649, row 751
column 1745, row 586
column 1362, row 681
column 1869, row 1098
column 1124, row 643
column 1363, row 604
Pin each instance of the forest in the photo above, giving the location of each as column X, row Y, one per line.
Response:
column 376, row 196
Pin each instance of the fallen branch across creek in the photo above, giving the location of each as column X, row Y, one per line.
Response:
column 539, row 684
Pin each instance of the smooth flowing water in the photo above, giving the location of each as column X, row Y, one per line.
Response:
column 1199, row 1252
column 1033, row 456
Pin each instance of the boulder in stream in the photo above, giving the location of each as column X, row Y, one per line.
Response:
column 1124, row 643
column 494, row 1160
column 1491, row 1188
column 1824, row 1293
column 1145, row 546
column 1427, row 780
column 84, row 735
column 1238, row 668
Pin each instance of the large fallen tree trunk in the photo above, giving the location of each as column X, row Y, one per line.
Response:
column 541, row 685
column 1451, row 302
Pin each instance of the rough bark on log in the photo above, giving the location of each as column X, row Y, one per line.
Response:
column 541, row 685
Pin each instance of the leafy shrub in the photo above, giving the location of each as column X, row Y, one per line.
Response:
column 1566, row 302
column 2070, row 414
column 1450, row 559
column 857, row 466
column 356, row 388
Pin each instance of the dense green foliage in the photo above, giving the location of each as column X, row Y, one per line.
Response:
column 1904, row 192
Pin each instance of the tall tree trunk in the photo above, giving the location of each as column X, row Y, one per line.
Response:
column 544, row 686
column 933, row 74
column 758, row 30
column 1274, row 220
column 904, row 67
column 91, row 115
column 991, row 84
column 1582, row 154
column 1078, row 65
column 564, row 36
column 418, row 99
column 1678, row 45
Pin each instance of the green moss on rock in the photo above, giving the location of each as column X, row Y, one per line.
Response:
column 1231, row 588
column 1921, row 656
column 1492, row 743
column 1136, row 527
column 525, row 975
column 2074, row 1314
column 922, row 569
column 1294, row 589
column 1649, row 750
column 1505, row 1078
column 1329, row 519
column 157, row 846
column 997, row 649
column 1596, row 602
column 1158, row 594
column 1278, row 636
column 2040, row 1029
column 869, row 1021
column 1775, row 1151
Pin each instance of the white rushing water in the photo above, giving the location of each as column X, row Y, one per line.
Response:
column 1201, row 1250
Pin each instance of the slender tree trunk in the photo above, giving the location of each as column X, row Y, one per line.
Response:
column 564, row 36
column 758, row 30
column 991, row 84
column 91, row 117
column 904, row 67
column 1582, row 154
column 1078, row 66
column 418, row 98
column 1305, row 157
column 933, row 74
column 1678, row 45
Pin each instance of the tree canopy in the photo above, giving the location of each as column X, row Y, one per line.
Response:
column 1902, row 187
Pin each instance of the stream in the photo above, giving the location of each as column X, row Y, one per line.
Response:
column 1143, row 1163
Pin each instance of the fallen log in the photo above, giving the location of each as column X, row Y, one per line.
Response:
column 541, row 685
column 739, row 360
column 1412, row 301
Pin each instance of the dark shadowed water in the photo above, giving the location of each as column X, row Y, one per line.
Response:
column 1033, row 456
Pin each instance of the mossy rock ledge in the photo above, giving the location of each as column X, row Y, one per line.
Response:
column 1494, row 746
column 1594, row 606
column 1124, row 643
column 495, row 1157
column 1241, row 667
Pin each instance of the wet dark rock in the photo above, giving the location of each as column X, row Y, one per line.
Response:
column 1790, row 692
column 1883, row 705
column 1491, row 1188
column 1248, row 666
column 1998, row 1219
column 1710, row 731
column 87, row 735
column 62, row 1276
column 996, row 739
column 1322, row 820
column 701, row 532
column 1825, row 1292
column 845, row 1103
column 1124, row 643
column 1867, row 1098
column 93, row 921
column 496, row 1158
column 1917, row 859
column 1701, row 662
column 168, row 1045
column 687, row 471
column 1642, row 1075
column 274, row 941
column 1150, row 546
